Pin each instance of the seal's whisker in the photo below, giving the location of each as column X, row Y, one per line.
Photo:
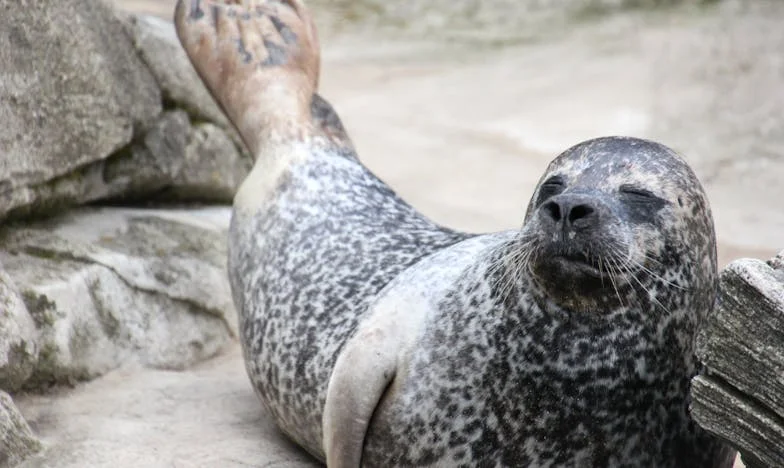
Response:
column 652, row 259
column 501, row 271
column 601, row 272
column 629, row 262
column 651, row 296
column 613, row 266
column 513, row 263
column 654, row 274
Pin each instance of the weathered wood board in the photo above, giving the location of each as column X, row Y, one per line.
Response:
column 740, row 394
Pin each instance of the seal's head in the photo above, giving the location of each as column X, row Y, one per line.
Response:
column 615, row 217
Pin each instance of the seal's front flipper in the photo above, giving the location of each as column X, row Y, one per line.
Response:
column 362, row 373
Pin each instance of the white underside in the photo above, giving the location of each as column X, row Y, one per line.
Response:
column 261, row 184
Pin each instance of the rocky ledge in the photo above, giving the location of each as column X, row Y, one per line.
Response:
column 102, row 107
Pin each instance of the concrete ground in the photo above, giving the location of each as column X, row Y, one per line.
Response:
column 463, row 129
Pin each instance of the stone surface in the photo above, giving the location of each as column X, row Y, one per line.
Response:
column 463, row 129
column 81, row 96
column 175, row 160
column 151, row 164
column 18, row 337
column 206, row 416
column 17, row 441
column 213, row 167
column 740, row 395
column 488, row 20
column 111, row 286
column 72, row 91
column 158, row 46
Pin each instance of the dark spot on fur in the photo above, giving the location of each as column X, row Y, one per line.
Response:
column 246, row 56
column 216, row 12
column 196, row 11
column 289, row 37
column 277, row 54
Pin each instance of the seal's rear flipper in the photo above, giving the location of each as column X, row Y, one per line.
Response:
column 362, row 373
column 260, row 62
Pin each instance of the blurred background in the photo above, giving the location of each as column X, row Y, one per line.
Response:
column 460, row 104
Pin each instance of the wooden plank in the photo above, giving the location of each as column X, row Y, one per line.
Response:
column 743, row 340
column 740, row 394
column 755, row 430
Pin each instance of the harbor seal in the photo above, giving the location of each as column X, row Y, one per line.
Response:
column 376, row 337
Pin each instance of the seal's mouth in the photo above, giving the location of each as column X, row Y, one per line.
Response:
column 578, row 262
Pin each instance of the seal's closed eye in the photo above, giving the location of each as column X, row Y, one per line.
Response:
column 636, row 192
column 551, row 187
column 643, row 204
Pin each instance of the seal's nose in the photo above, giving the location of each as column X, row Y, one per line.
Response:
column 575, row 211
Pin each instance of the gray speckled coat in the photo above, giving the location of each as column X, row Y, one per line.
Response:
column 481, row 375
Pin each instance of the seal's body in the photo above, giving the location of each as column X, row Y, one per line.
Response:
column 376, row 337
column 340, row 235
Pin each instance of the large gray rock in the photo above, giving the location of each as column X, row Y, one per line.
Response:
column 17, row 441
column 109, row 287
column 18, row 337
column 215, row 160
column 212, row 169
column 173, row 160
column 158, row 46
column 72, row 92
column 152, row 163
column 81, row 98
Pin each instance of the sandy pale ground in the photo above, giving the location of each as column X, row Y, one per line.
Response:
column 462, row 131
column 207, row 416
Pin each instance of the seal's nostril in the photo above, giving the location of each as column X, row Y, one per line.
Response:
column 553, row 209
column 579, row 212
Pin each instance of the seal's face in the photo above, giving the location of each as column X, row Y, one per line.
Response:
column 610, row 214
